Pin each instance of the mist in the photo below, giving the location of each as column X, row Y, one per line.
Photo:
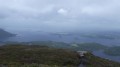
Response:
column 89, row 28
column 59, row 16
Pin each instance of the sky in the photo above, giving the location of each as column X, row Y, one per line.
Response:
column 59, row 15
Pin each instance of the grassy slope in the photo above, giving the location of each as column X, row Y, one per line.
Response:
column 73, row 46
column 94, row 61
column 42, row 56
column 34, row 54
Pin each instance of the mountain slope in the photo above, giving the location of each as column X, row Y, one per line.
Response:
column 34, row 54
column 5, row 34
column 17, row 55
column 94, row 61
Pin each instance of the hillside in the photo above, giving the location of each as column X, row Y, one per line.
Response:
column 88, row 47
column 94, row 61
column 5, row 34
column 18, row 55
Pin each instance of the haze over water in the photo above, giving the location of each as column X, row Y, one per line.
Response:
column 62, row 20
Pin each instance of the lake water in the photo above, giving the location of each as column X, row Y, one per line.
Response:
column 45, row 36
column 103, row 55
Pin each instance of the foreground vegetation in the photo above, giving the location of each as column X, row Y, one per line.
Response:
column 113, row 51
column 29, row 55
column 35, row 55
column 94, row 61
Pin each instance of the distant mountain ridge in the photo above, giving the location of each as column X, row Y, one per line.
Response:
column 5, row 34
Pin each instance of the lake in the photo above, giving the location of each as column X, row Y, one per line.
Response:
column 103, row 55
column 67, row 38
column 63, row 37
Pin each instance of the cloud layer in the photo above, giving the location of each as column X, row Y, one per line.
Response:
column 60, row 15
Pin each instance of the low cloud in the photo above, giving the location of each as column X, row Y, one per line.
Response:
column 58, row 15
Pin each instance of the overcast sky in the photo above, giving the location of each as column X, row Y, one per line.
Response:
column 59, row 15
